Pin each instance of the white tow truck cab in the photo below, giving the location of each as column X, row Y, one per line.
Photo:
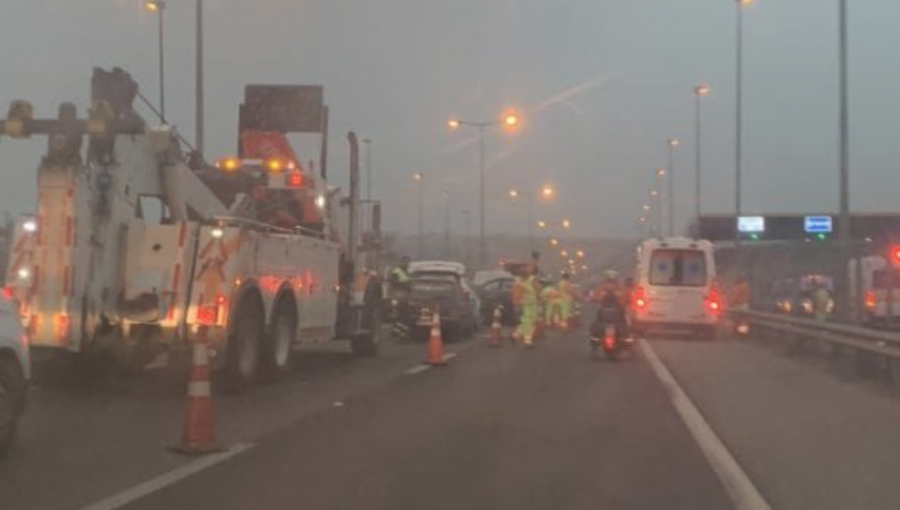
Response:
column 133, row 252
column 879, row 285
column 675, row 287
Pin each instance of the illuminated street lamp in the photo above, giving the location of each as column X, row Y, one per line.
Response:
column 548, row 192
column 158, row 6
column 542, row 224
column 580, row 254
column 510, row 121
column 554, row 242
column 566, row 224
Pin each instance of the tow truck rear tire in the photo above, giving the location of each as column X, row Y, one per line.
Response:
column 242, row 354
column 278, row 345
column 13, row 392
column 365, row 343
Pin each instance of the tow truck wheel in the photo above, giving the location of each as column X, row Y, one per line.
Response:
column 242, row 361
column 365, row 343
column 277, row 346
column 12, row 400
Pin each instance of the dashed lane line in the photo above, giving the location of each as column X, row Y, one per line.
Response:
column 738, row 485
column 164, row 480
column 418, row 369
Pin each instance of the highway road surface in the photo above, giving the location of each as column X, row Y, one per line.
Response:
column 682, row 424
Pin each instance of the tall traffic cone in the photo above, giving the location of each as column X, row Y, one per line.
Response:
column 436, row 342
column 199, row 428
column 496, row 326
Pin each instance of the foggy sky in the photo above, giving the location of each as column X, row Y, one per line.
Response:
column 603, row 84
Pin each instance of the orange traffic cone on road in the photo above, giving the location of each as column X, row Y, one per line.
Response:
column 436, row 342
column 199, row 427
column 496, row 327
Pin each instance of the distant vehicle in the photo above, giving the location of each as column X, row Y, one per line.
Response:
column 15, row 372
column 880, row 290
column 807, row 285
column 424, row 268
column 443, row 293
column 487, row 275
column 497, row 292
column 784, row 295
column 675, row 287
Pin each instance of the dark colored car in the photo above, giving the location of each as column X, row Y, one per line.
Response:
column 497, row 292
column 444, row 294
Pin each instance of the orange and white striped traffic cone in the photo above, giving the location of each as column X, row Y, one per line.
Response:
column 496, row 327
column 436, row 342
column 199, row 426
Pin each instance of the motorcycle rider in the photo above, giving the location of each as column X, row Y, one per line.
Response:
column 612, row 302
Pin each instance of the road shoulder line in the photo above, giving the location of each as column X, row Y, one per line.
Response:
column 164, row 480
column 737, row 484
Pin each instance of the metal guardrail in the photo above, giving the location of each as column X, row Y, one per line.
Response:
column 843, row 335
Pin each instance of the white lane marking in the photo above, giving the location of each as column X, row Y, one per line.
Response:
column 418, row 369
column 738, row 485
column 166, row 479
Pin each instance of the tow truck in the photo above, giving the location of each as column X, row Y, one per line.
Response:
column 138, row 248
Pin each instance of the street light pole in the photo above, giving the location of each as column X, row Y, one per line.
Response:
column 739, row 85
column 368, row 142
column 199, row 80
column 844, row 219
column 660, row 175
column 446, row 223
column 481, row 197
column 157, row 7
column 162, row 67
column 420, row 179
column 699, row 92
column 672, row 144
column 530, row 204
column 510, row 120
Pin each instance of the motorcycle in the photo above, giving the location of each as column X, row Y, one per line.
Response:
column 607, row 335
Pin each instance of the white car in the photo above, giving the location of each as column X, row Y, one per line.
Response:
column 15, row 372
column 675, row 287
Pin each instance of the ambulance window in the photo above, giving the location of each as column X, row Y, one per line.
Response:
column 152, row 210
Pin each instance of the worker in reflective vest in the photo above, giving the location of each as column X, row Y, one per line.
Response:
column 565, row 301
column 525, row 299
column 399, row 287
column 550, row 299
